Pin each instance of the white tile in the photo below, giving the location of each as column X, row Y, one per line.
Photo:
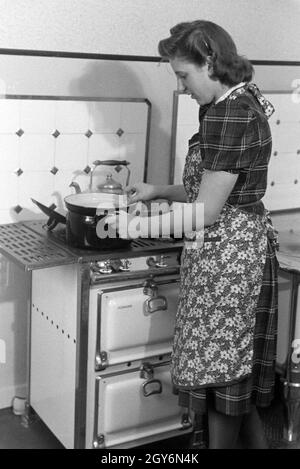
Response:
column 183, row 135
column 9, row 115
column 188, row 110
column 133, row 149
column 6, row 217
column 37, row 152
column 9, row 152
column 277, row 100
column 10, row 216
column 178, row 170
column 286, row 137
column 82, row 179
column 37, row 185
column 284, row 168
column 32, row 213
column 71, row 152
column 105, row 116
column 285, row 107
column 134, row 117
column 37, row 116
column 62, row 181
column 4, row 86
column 282, row 196
column 8, row 190
column 72, row 116
column 103, row 147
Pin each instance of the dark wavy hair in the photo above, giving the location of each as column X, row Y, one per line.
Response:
column 202, row 42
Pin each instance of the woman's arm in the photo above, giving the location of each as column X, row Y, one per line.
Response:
column 173, row 193
column 142, row 191
column 214, row 191
column 215, row 188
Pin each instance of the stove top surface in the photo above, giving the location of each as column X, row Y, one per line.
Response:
column 31, row 246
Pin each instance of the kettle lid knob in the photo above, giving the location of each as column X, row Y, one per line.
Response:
column 110, row 185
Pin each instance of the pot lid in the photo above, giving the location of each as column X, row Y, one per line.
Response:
column 96, row 200
column 110, row 186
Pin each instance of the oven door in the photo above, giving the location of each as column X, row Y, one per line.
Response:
column 137, row 407
column 135, row 321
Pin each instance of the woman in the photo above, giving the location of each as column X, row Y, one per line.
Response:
column 225, row 335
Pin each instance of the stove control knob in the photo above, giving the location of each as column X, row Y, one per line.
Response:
column 124, row 266
column 104, row 267
column 151, row 262
column 158, row 261
column 161, row 261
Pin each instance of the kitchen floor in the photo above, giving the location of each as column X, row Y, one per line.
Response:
column 15, row 435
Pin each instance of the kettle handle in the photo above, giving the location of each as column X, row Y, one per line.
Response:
column 111, row 163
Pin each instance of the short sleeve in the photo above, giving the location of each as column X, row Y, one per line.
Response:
column 193, row 141
column 229, row 137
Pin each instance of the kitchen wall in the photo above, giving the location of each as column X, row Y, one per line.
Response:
column 14, row 304
column 134, row 27
column 46, row 144
column 113, row 27
column 263, row 29
column 283, row 188
column 102, row 78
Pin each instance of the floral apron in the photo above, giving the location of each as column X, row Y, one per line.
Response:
column 220, row 285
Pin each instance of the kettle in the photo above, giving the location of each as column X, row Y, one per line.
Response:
column 110, row 186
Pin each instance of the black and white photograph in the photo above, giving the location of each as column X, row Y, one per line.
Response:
column 149, row 227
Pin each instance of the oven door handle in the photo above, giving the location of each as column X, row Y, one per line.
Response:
column 154, row 304
column 156, row 390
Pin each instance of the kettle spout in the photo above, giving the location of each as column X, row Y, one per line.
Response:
column 76, row 186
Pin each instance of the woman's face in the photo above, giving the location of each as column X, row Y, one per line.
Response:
column 196, row 81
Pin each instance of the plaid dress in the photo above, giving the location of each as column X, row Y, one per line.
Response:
column 225, row 334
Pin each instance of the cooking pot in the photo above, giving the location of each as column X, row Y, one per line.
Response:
column 87, row 209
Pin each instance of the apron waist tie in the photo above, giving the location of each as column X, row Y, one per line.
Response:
column 254, row 207
column 259, row 209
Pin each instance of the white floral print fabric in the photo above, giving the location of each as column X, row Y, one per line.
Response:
column 220, row 286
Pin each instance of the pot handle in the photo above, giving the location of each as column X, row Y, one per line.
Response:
column 113, row 163
column 54, row 217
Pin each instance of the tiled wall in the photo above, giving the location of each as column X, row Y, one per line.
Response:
column 283, row 191
column 284, row 171
column 44, row 145
column 47, row 143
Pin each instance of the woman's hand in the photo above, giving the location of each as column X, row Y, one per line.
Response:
column 141, row 191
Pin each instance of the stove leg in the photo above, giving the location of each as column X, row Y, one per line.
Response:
column 291, row 391
column 198, row 439
column 291, row 431
column 29, row 416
